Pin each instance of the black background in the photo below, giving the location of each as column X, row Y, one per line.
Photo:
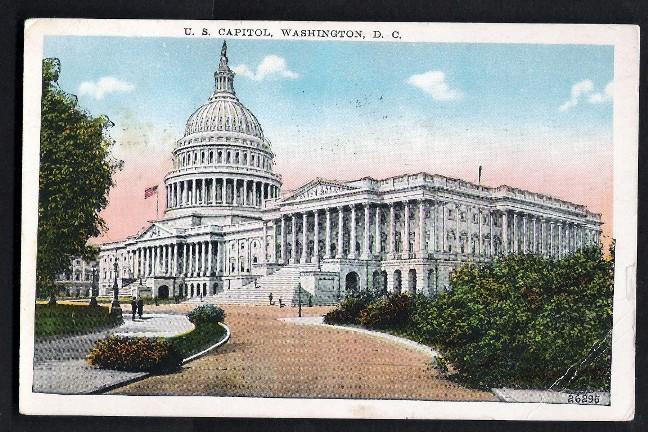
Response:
column 12, row 16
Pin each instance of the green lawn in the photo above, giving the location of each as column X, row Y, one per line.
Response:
column 202, row 337
column 63, row 319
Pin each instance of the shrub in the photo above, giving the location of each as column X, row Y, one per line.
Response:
column 135, row 354
column 348, row 311
column 207, row 313
column 386, row 312
column 526, row 321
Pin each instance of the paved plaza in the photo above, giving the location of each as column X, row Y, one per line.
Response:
column 269, row 357
column 59, row 362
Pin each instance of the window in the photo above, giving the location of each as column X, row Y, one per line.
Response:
column 475, row 218
column 462, row 216
column 450, row 214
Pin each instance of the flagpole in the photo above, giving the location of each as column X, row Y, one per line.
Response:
column 157, row 201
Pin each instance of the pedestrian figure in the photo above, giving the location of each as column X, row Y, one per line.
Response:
column 140, row 307
column 280, row 303
column 270, row 298
column 156, row 302
column 133, row 307
column 310, row 301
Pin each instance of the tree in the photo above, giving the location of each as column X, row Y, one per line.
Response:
column 76, row 174
column 527, row 321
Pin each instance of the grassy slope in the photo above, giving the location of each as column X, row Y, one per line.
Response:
column 203, row 336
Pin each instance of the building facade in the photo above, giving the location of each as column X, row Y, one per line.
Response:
column 77, row 280
column 230, row 235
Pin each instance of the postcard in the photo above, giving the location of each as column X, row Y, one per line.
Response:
column 329, row 220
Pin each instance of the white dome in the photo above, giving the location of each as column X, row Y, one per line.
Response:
column 224, row 113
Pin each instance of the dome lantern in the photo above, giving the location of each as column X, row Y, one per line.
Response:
column 224, row 76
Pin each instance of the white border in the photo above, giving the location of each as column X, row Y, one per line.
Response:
column 624, row 38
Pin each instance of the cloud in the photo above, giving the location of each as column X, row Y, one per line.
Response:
column 104, row 86
column 605, row 96
column 272, row 66
column 434, row 84
column 585, row 88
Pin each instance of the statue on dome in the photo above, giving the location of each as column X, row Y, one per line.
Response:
column 223, row 59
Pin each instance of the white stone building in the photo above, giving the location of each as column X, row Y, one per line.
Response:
column 229, row 235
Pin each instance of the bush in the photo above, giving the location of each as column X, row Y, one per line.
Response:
column 387, row 312
column 526, row 321
column 135, row 354
column 207, row 313
column 348, row 311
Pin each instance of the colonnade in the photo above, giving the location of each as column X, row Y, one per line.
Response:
column 418, row 228
column 190, row 259
column 202, row 191
column 223, row 156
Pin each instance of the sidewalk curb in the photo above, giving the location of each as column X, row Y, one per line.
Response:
column 107, row 388
column 216, row 345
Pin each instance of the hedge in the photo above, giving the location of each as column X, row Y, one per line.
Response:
column 138, row 354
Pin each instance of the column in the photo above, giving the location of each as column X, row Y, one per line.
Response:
column 293, row 240
column 234, row 200
column 580, row 242
column 273, row 252
column 444, row 236
column 219, row 251
column 184, row 260
column 434, row 226
column 304, row 252
column 515, row 233
column 560, row 240
column 353, row 253
column 213, row 190
column 479, row 232
column 406, row 231
column 534, row 249
column 525, row 234
column 190, row 259
column 282, row 244
column 491, row 245
column 264, row 242
column 377, row 236
column 551, row 239
column 505, row 239
column 316, row 237
column 254, row 194
column 392, row 231
column 209, row 256
column 203, row 197
column 224, row 191
column 163, row 269
column 194, row 193
column 421, row 230
column 174, row 272
column 340, row 239
column 327, row 240
column 202, row 258
column 365, row 238
column 245, row 194
column 457, row 218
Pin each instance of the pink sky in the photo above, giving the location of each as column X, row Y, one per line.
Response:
column 579, row 176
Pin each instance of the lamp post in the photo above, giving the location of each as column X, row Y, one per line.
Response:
column 299, row 299
column 115, row 307
column 93, row 291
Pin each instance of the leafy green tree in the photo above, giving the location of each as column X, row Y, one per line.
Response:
column 526, row 321
column 76, row 174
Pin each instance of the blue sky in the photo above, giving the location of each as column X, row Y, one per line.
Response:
column 350, row 109
column 506, row 85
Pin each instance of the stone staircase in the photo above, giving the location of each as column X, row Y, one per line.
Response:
column 282, row 284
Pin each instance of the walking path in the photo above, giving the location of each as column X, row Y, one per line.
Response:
column 319, row 320
column 269, row 357
column 59, row 362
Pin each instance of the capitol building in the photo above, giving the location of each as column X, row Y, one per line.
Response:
column 229, row 235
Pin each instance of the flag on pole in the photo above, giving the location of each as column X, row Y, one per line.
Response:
column 150, row 191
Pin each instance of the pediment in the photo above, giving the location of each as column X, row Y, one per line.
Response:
column 319, row 187
column 154, row 231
